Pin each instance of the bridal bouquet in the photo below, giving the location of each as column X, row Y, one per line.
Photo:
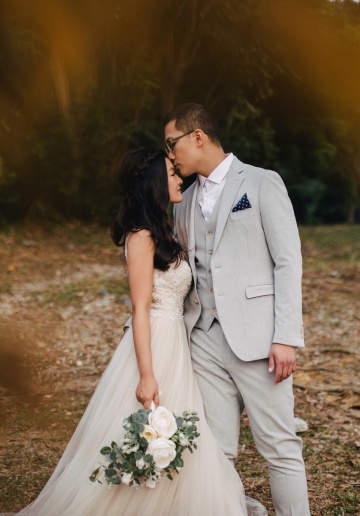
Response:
column 152, row 447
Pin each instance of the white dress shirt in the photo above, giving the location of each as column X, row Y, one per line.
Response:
column 210, row 188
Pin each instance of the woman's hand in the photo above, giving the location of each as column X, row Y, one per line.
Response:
column 147, row 391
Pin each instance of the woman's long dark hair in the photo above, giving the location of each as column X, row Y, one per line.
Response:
column 143, row 181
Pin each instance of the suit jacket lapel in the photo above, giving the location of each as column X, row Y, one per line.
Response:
column 190, row 225
column 233, row 181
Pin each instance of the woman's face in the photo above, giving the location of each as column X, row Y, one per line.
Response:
column 174, row 182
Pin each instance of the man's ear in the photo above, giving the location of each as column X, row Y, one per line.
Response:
column 199, row 137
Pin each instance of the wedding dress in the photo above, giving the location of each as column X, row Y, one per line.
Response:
column 208, row 485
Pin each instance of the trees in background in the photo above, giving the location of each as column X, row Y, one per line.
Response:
column 80, row 82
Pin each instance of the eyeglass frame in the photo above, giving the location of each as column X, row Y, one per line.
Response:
column 169, row 148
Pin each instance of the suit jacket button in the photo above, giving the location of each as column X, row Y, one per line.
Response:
column 196, row 300
column 210, row 252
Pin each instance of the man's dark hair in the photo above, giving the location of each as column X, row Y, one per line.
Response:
column 193, row 116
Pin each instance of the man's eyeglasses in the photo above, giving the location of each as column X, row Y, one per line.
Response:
column 170, row 144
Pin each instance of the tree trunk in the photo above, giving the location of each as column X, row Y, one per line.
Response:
column 350, row 217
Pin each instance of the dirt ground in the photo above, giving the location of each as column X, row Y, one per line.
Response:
column 63, row 301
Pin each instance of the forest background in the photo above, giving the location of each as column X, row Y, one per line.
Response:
column 81, row 82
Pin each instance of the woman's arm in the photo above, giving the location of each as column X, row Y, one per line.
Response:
column 140, row 263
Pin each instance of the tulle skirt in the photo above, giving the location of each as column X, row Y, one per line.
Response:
column 207, row 485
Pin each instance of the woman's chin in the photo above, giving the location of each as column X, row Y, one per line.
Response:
column 177, row 199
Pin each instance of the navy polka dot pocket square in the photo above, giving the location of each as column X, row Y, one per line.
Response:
column 243, row 204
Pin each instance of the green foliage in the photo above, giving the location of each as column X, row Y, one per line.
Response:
column 249, row 134
column 74, row 96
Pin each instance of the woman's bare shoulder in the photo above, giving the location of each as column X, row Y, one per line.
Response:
column 140, row 241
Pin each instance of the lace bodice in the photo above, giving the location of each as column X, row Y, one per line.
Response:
column 169, row 290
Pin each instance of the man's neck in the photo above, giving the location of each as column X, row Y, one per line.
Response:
column 211, row 161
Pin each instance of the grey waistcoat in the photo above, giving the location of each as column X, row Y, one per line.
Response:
column 204, row 244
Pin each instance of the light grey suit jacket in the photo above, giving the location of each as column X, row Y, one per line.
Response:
column 256, row 263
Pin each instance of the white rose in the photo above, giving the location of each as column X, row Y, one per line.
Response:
column 150, row 483
column 140, row 463
column 163, row 422
column 126, row 478
column 163, row 452
column 149, row 433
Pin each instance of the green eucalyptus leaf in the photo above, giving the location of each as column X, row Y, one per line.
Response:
column 143, row 416
column 116, row 449
column 138, row 428
column 179, row 421
column 179, row 463
column 143, row 442
column 105, row 450
column 95, row 472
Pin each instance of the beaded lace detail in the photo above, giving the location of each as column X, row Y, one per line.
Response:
column 169, row 290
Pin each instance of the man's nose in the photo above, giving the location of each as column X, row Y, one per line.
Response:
column 171, row 155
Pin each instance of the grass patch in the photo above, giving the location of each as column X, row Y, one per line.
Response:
column 332, row 243
column 71, row 293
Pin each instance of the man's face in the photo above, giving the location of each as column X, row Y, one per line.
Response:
column 185, row 153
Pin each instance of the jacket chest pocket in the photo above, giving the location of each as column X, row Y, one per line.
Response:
column 242, row 214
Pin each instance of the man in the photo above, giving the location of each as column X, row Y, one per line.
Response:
column 244, row 312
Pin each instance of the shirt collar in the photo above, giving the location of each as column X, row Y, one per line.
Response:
column 219, row 173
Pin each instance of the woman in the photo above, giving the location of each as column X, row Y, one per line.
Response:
column 152, row 361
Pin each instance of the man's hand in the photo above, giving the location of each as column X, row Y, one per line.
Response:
column 282, row 358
